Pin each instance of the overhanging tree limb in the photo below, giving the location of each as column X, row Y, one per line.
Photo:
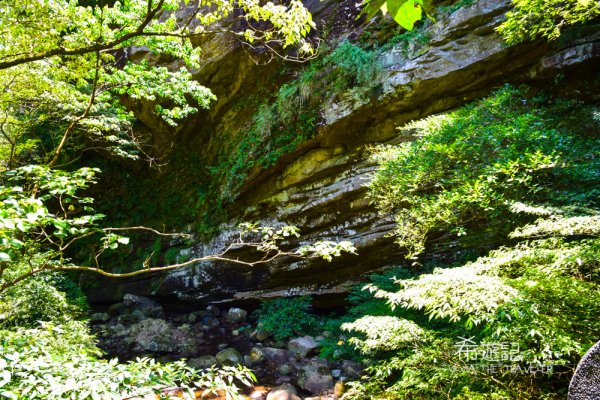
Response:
column 95, row 48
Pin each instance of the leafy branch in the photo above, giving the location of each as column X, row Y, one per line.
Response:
column 37, row 232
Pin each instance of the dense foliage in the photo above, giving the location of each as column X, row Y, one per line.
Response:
column 286, row 317
column 462, row 174
column 508, row 167
column 65, row 81
column 513, row 169
column 533, row 19
column 65, row 72
column 47, row 352
column 60, row 362
column 46, row 297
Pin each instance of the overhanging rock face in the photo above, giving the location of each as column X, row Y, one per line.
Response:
column 321, row 186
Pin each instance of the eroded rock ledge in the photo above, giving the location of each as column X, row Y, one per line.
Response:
column 321, row 186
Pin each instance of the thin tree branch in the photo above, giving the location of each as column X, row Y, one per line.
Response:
column 144, row 228
column 74, row 123
column 20, row 278
column 148, row 270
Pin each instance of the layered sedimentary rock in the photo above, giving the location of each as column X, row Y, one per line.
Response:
column 320, row 187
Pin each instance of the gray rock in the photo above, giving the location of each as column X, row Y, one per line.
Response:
column 257, row 355
column 336, row 373
column 154, row 312
column 303, row 346
column 117, row 309
column 585, row 384
column 259, row 393
column 99, row 317
column 132, row 300
column 186, row 344
column 237, row 315
column 155, row 335
column 229, row 356
column 284, row 369
column 277, row 356
column 222, row 346
column 137, row 315
column 118, row 330
column 315, row 377
column 283, row 392
column 283, row 379
column 261, row 335
column 202, row 362
column 213, row 310
column 352, row 369
column 247, row 361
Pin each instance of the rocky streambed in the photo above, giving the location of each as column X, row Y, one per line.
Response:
column 285, row 369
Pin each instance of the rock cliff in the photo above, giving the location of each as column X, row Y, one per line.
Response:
column 320, row 186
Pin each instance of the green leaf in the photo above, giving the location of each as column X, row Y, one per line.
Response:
column 4, row 257
column 405, row 12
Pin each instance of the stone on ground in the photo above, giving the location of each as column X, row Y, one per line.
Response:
column 303, row 346
column 277, row 356
column 202, row 362
column 229, row 356
column 237, row 315
column 315, row 377
column 283, row 392
column 155, row 335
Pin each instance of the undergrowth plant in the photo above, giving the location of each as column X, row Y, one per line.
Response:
column 286, row 317
column 467, row 168
column 46, row 297
column 47, row 352
column 523, row 171
column 62, row 362
column 533, row 19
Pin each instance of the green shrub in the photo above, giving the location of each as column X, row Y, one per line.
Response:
column 551, row 295
column 468, row 167
column 533, row 19
column 411, row 43
column 455, row 6
column 519, row 170
column 286, row 317
column 46, row 297
column 352, row 66
column 61, row 362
